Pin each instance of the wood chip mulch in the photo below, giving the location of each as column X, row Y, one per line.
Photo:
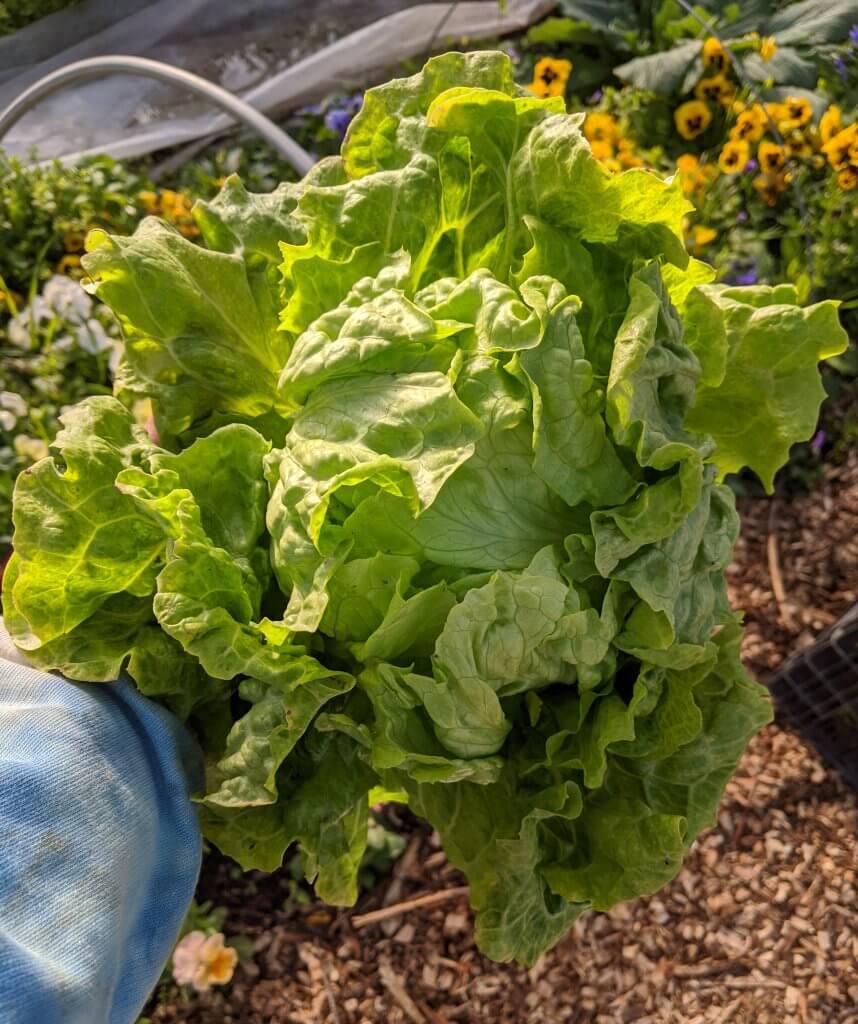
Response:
column 760, row 927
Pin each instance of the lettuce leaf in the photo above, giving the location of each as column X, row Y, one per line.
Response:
column 437, row 508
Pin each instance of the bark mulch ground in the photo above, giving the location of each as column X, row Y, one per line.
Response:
column 760, row 927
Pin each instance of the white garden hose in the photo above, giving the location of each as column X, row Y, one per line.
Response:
column 95, row 67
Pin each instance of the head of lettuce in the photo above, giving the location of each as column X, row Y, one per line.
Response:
column 436, row 504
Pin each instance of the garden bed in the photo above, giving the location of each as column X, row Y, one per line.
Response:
column 759, row 926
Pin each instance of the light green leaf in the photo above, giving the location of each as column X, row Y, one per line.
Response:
column 78, row 539
column 770, row 394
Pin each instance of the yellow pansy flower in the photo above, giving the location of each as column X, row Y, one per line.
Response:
column 612, row 164
column 750, row 124
column 701, row 236
column 692, row 118
column 798, row 145
column 776, row 111
column 797, row 113
column 771, row 157
column 626, row 154
column 714, row 55
column 149, row 201
column 734, row 156
column 73, row 241
column 847, row 178
column 768, row 48
column 829, row 123
column 838, row 146
column 601, row 127
column 770, row 186
column 601, row 149
column 550, row 77
column 716, row 89
column 690, row 174
column 68, row 263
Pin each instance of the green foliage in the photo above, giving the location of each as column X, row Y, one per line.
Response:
column 15, row 14
column 801, row 31
column 436, row 503
column 46, row 211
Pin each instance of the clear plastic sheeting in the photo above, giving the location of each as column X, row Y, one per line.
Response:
column 276, row 54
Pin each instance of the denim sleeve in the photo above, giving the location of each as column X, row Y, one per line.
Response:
column 99, row 847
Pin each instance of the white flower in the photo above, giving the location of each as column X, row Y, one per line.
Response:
column 12, row 401
column 32, row 448
column 19, row 327
column 92, row 337
column 203, row 960
column 18, row 330
column 67, row 298
column 7, row 420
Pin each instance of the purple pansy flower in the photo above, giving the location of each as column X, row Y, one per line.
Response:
column 340, row 115
column 853, row 34
column 747, row 277
column 751, row 166
column 818, row 440
column 741, row 216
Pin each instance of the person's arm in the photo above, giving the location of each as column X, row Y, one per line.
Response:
column 99, row 847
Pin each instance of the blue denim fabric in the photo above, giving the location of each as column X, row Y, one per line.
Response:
column 99, row 847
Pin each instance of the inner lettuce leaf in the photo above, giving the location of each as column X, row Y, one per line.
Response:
column 437, row 506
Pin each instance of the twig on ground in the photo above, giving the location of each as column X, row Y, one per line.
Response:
column 394, row 986
column 748, row 983
column 703, row 970
column 427, row 900
column 329, row 992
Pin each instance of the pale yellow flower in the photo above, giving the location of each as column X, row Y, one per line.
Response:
column 202, row 960
column 32, row 448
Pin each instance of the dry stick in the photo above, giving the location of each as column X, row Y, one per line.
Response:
column 775, row 568
column 427, row 900
column 746, row 983
column 395, row 987
column 704, row 970
column 329, row 992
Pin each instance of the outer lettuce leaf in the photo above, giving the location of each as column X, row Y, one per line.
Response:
column 200, row 325
column 499, row 837
column 769, row 395
column 78, row 540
